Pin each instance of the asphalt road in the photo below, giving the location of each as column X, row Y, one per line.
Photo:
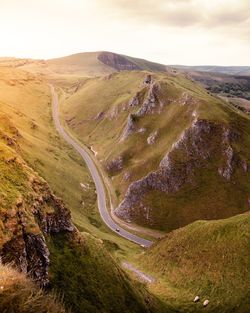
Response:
column 101, row 195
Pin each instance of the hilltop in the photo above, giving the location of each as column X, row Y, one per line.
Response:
column 83, row 64
column 173, row 151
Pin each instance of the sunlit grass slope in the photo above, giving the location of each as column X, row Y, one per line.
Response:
column 207, row 258
column 25, row 102
column 79, row 265
column 97, row 113
column 18, row 294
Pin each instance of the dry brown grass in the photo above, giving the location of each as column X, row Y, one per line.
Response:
column 18, row 294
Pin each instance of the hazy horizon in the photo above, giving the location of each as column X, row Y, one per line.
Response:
column 184, row 32
column 62, row 56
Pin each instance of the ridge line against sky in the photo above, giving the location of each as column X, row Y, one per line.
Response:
column 191, row 32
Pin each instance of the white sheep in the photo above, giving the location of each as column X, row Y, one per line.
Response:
column 196, row 299
column 205, row 303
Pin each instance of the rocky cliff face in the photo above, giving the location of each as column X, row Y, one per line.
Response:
column 148, row 102
column 29, row 212
column 198, row 145
column 117, row 61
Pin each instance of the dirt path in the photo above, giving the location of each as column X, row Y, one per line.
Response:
column 142, row 276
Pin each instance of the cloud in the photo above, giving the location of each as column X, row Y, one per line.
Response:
column 181, row 13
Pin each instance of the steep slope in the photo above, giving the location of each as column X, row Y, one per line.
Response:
column 20, row 294
column 36, row 232
column 34, row 222
column 25, row 102
column 207, row 258
column 29, row 210
column 174, row 152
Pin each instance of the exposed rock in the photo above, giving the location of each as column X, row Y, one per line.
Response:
column 151, row 102
column 37, row 258
column 35, row 213
column 187, row 99
column 115, row 165
column 117, row 61
column 244, row 165
column 135, row 101
column 127, row 176
column 142, row 130
column 29, row 253
column 59, row 220
column 227, row 170
column 130, row 127
column 14, row 251
column 147, row 80
column 197, row 144
column 150, row 105
column 114, row 113
column 152, row 137
column 100, row 116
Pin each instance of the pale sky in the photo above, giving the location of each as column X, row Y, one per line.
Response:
column 195, row 32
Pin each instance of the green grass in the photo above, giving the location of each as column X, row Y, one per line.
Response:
column 27, row 102
column 80, row 266
column 208, row 196
column 207, row 258
column 91, row 279
column 99, row 95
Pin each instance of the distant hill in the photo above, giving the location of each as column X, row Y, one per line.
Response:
column 83, row 64
column 98, row 63
column 229, row 70
column 223, row 84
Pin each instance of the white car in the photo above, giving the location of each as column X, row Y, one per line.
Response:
column 117, row 229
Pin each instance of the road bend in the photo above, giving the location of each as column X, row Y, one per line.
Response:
column 101, row 195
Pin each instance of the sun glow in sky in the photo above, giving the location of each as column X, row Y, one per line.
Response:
column 167, row 31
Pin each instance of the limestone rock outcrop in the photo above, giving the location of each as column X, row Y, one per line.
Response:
column 197, row 145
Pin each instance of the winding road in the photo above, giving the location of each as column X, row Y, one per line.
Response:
column 101, row 195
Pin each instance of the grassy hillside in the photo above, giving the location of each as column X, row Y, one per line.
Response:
column 100, row 63
column 77, row 265
column 224, row 85
column 87, row 64
column 185, row 123
column 230, row 70
column 92, row 281
column 36, row 233
column 207, row 258
column 25, row 103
